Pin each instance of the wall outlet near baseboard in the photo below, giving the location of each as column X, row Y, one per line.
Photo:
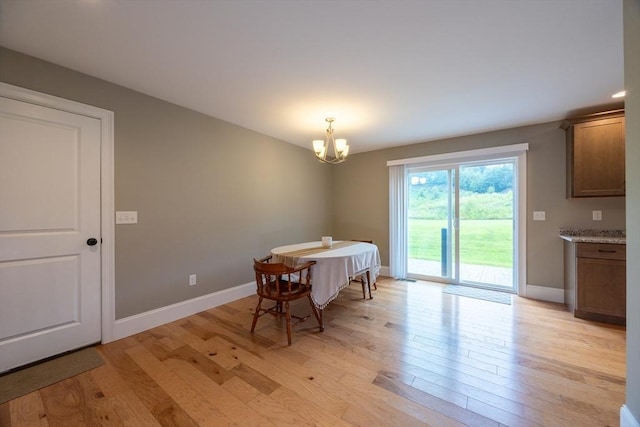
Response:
column 192, row 279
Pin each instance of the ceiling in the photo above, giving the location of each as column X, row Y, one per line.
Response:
column 391, row 72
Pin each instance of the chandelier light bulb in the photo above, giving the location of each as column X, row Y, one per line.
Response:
column 318, row 146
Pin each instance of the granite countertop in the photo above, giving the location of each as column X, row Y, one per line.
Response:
column 582, row 235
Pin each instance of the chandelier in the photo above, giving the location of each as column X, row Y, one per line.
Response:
column 331, row 150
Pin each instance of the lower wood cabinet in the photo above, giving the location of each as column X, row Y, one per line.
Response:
column 596, row 281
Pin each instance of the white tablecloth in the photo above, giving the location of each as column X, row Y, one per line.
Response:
column 333, row 266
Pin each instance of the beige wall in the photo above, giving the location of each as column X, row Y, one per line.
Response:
column 361, row 202
column 632, row 106
column 209, row 195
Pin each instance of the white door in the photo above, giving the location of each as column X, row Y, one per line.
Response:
column 50, row 281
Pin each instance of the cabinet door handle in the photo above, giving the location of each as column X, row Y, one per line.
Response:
column 606, row 251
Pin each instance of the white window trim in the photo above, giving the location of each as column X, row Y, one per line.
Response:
column 462, row 156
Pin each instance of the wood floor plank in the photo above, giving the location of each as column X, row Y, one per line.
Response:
column 260, row 382
column 360, row 411
column 359, row 402
column 333, row 359
column 110, row 384
column 238, row 334
column 122, row 399
column 307, row 409
column 95, row 404
column 269, row 409
column 5, row 413
column 448, row 409
column 208, row 347
column 292, row 360
column 159, row 404
column 276, row 412
column 501, row 416
column 201, row 411
column 204, row 362
column 67, row 403
column 27, row 410
column 412, row 408
column 222, row 399
column 132, row 411
column 241, row 390
column 298, row 382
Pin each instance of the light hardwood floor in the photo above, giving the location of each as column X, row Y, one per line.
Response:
column 411, row 356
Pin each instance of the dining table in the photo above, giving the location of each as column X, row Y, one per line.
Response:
column 335, row 266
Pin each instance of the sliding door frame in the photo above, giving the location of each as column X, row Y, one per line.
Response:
column 397, row 203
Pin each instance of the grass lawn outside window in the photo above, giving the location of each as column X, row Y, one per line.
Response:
column 482, row 242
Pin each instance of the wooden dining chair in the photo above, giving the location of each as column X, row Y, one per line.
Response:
column 282, row 284
column 359, row 278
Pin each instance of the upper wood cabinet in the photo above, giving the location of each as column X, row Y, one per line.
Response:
column 595, row 155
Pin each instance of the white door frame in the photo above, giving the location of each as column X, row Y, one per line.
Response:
column 107, row 216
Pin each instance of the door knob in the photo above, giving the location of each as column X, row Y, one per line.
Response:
column 92, row 241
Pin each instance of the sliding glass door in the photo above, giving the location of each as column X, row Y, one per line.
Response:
column 486, row 224
column 461, row 222
column 431, row 213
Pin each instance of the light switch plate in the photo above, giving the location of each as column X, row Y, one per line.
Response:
column 126, row 217
column 539, row 215
column 597, row 215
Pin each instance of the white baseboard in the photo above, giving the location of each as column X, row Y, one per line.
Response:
column 545, row 294
column 627, row 419
column 144, row 321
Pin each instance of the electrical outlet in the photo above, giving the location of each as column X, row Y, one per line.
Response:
column 192, row 279
column 597, row 215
